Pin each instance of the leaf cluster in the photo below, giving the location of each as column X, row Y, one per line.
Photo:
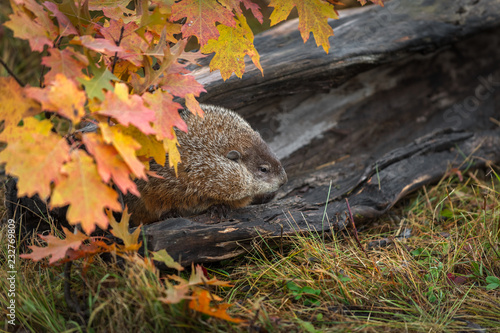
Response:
column 122, row 67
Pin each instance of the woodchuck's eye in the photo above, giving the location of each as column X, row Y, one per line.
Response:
column 234, row 155
column 264, row 168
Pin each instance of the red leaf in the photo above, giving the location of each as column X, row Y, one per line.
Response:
column 56, row 247
column 109, row 163
column 128, row 109
column 67, row 62
column 167, row 114
column 65, row 26
column 180, row 85
column 201, row 17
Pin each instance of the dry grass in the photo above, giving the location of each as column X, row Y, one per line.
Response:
column 436, row 274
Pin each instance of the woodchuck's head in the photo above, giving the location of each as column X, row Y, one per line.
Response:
column 225, row 159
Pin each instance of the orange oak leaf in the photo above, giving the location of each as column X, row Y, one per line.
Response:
column 193, row 105
column 201, row 16
column 180, row 85
column 201, row 303
column 85, row 192
column 35, row 155
column 313, row 17
column 15, row 104
column 132, row 44
column 127, row 109
column 67, row 62
column 126, row 146
column 56, row 247
column 230, row 49
column 38, row 31
column 120, row 230
column 110, row 164
column 167, row 113
column 61, row 96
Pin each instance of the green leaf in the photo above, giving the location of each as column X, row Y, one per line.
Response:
column 164, row 257
column 101, row 80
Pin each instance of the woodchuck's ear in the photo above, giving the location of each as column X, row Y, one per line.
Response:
column 234, row 155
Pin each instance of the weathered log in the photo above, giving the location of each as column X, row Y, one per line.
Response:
column 367, row 122
column 385, row 182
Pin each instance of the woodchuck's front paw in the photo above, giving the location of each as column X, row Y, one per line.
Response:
column 218, row 212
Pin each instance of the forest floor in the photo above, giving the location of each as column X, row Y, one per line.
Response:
column 432, row 264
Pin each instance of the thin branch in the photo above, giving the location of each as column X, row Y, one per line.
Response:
column 11, row 73
column 116, row 53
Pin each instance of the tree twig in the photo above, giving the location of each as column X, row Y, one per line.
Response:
column 11, row 73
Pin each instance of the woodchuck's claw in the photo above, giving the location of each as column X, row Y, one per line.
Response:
column 219, row 211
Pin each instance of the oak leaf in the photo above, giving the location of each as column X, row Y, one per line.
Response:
column 193, row 105
column 150, row 146
column 38, row 31
column 121, row 230
column 100, row 45
column 174, row 157
column 180, row 85
column 67, row 62
column 85, row 192
column 15, row 104
column 66, row 28
column 236, row 6
column 230, row 49
column 56, row 248
column 313, row 15
column 127, row 109
column 167, row 113
column 175, row 293
column 110, row 164
column 201, row 303
column 124, row 34
column 201, row 16
column 61, row 96
column 35, row 155
column 126, row 146
column 101, row 80
column 164, row 257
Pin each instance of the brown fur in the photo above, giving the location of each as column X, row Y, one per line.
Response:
column 206, row 176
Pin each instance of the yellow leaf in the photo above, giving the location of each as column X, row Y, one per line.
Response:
column 62, row 96
column 165, row 258
column 120, row 230
column 174, row 156
column 150, row 147
column 14, row 104
column 313, row 17
column 231, row 47
column 85, row 192
column 35, row 155
column 126, row 146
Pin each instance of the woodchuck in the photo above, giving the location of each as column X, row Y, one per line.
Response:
column 225, row 164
